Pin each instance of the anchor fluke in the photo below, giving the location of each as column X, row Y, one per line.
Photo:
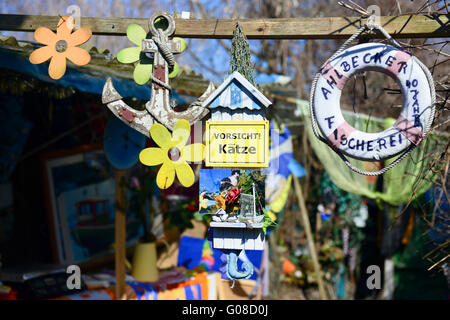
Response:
column 159, row 107
column 138, row 120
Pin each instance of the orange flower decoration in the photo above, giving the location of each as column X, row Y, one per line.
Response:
column 60, row 46
column 220, row 202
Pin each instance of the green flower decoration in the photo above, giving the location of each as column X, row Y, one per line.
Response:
column 268, row 221
column 144, row 66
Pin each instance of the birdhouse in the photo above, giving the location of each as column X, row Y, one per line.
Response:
column 237, row 136
column 238, row 100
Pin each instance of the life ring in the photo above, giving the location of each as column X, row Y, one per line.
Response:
column 417, row 108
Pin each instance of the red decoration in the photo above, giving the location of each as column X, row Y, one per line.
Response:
column 159, row 73
column 127, row 115
column 192, row 207
column 233, row 195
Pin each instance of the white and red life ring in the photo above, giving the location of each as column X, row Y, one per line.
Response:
column 417, row 109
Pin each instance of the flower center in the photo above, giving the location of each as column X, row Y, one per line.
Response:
column 61, row 46
column 174, row 154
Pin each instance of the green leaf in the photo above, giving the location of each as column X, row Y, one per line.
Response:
column 142, row 73
column 136, row 34
column 175, row 71
column 129, row 55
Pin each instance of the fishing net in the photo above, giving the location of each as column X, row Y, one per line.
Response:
column 241, row 60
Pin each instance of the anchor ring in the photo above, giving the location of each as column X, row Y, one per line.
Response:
column 170, row 23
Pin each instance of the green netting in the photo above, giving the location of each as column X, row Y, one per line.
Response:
column 412, row 280
column 411, row 177
column 241, row 60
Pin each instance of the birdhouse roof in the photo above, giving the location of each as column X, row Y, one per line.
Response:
column 236, row 92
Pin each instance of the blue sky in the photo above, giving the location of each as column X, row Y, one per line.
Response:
column 210, row 179
column 206, row 56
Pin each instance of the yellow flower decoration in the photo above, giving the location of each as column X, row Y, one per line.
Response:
column 173, row 154
column 220, row 202
column 203, row 202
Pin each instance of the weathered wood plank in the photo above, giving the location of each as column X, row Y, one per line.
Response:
column 405, row 26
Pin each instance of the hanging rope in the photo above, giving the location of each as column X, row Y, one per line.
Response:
column 163, row 47
column 165, row 53
column 370, row 26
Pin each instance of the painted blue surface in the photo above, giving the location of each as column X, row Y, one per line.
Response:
column 215, row 103
column 296, row 168
column 254, row 256
column 14, row 133
column 440, row 232
column 190, row 295
column 235, row 273
column 122, row 144
column 325, row 216
column 81, row 81
column 144, row 291
column 190, row 252
column 280, row 140
column 236, row 96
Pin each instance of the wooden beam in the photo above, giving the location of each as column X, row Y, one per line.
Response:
column 404, row 26
column 120, row 235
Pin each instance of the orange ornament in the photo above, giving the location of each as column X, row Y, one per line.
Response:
column 60, row 46
column 288, row 266
column 220, row 202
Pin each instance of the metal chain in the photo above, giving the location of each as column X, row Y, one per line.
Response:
column 337, row 53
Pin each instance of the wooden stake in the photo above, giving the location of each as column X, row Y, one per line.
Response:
column 120, row 235
column 309, row 237
column 404, row 26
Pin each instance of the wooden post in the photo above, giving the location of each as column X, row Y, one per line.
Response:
column 309, row 237
column 120, row 235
